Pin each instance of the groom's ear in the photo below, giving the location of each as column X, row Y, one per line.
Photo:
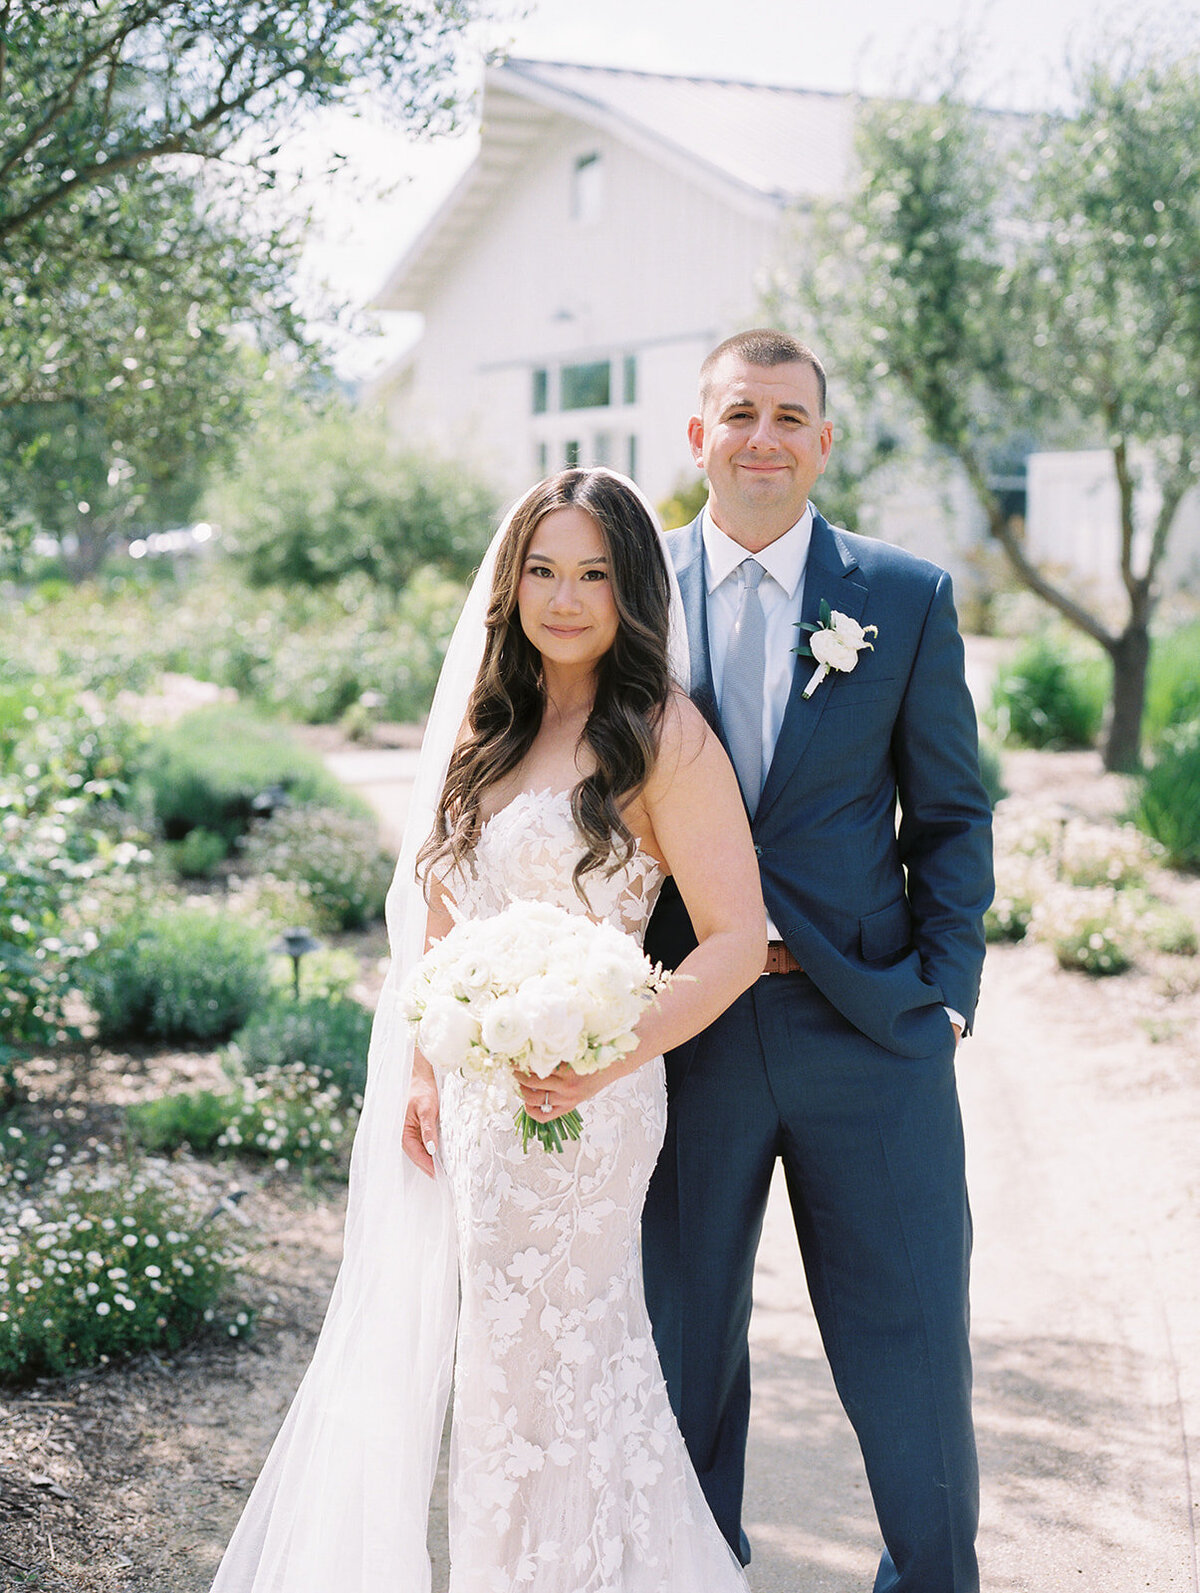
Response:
column 695, row 432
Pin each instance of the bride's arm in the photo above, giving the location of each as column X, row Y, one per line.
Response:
column 699, row 828
column 421, row 1115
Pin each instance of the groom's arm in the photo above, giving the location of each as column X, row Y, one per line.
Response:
column 945, row 833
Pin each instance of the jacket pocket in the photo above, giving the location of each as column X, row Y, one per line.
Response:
column 887, row 933
column 851, row 691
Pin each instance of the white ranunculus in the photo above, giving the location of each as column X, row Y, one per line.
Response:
column 833, row 650
column 470, row 973
column 504, row 1027
column 446, row 1033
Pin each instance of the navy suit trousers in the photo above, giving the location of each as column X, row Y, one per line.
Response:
column 872, row 1147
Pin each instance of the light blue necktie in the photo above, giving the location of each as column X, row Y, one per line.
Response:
column 742, row 685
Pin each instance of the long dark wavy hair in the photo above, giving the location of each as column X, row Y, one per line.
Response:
column 633, row 682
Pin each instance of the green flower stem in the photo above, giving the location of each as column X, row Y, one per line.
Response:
column 553, row 1135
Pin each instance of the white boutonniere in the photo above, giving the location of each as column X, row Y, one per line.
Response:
column 835, row 644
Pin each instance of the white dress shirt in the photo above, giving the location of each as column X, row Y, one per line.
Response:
column 781, row 592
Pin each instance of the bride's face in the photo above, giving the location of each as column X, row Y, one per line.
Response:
column 565, row 598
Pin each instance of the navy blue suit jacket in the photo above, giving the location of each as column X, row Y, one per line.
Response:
column 885, row 920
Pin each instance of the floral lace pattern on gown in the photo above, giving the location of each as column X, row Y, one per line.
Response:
column 568, row 1472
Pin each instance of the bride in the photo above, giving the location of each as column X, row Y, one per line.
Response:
column 561, row 764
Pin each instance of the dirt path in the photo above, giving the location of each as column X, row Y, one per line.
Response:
column 1083, row 1141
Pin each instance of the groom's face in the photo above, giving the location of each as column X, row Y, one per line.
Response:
column 762, row 441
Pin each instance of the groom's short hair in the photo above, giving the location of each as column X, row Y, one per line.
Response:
column 762, row 345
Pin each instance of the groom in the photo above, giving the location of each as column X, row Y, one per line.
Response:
column 840, row 1060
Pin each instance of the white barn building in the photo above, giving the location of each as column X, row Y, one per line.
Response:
column 614, row 227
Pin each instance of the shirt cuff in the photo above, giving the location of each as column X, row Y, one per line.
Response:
column 957, row 1017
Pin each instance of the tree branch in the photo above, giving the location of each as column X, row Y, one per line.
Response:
column 91, row 58
column 1173, row 493
column 1120, row 453
column 5, row 13
column 175, row 144
column 1001, row 530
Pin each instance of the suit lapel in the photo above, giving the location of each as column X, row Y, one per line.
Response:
column 689, row 567
column 832, row 573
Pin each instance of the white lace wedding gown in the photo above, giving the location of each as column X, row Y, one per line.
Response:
column 568, row 1471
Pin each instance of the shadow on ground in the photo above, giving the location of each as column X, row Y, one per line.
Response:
column 1083, row 1482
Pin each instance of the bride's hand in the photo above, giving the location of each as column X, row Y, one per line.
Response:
column 421, row 1121
column 564, row 1089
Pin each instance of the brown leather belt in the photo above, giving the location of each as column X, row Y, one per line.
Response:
column 780, row 959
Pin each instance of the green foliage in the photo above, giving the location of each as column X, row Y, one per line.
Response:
column 199, row 853
column 329, row 1036
column 288, row 1115
column 684, row 504
column 1173, row 693
column 991, row 772
column 206, row 770
column 1173, row 931
column 98, row 209
column 1168, row 802
column 1093, row 945
column 64, row 843
column 329, row 973
column 321, row 499
column 196, row 1119
column 184, row 975
column 307, row 654
column 59, row 748
column 1116, row 858
column 334, row 859
column 1048, row 696
column 1090, row 931
column 291, row 1117
column 1009, row 916
column 97, row 1261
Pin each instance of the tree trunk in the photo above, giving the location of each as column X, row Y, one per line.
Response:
column 91, row 544
column 1130, row 660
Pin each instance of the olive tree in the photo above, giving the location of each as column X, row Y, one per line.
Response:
column 1012, row 278
column 143, row 243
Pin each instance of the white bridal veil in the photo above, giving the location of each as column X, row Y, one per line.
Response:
column 343, row 1498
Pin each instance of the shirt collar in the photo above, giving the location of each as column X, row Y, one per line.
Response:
column 784, row 559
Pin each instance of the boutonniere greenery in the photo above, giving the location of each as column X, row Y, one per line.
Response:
column 835, row 644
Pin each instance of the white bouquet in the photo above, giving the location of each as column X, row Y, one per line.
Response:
column 527, row 990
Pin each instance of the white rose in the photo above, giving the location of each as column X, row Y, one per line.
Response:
column 504, row 1028
column 832, row 650
column 849, row 628
column 446, row 1032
